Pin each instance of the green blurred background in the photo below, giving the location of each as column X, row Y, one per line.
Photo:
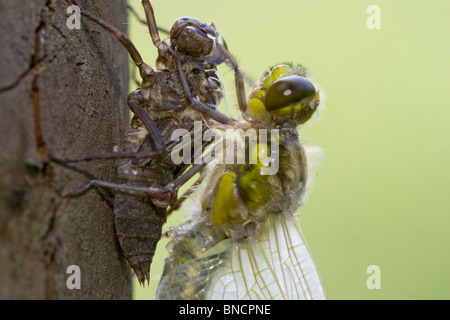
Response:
column 382, row 196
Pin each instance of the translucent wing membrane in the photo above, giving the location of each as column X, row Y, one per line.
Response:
column 277, row 266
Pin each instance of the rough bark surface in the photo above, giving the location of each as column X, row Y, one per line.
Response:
column 62, row 92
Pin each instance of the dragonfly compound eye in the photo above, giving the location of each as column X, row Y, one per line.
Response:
column 289, row 95
column 192, row 36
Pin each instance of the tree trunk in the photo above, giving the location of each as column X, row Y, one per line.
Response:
column 62, row 92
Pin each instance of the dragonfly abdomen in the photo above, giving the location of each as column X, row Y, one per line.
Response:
column 138, row 225
column 138, row 220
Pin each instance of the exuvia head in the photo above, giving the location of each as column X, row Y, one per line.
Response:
column 192, row 36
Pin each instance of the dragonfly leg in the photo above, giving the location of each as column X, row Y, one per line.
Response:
column 107, row 156
column 239, row 82
column 135, row 100
column 143, row 21
column 167, row 196
column 151, row 22
column 111, row 185
column 135, row 79
column 164, row 55
column 144, row 69
column 185, row 177
column 158, row 195
column 181, row 199
column 194, row 102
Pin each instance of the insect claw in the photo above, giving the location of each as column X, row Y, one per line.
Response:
column 77, row 192
column 65, row 195
column 70, row 194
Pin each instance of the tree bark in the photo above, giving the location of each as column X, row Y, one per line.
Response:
column 62, row 92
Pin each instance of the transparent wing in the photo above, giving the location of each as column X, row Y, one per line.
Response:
column 278, row 266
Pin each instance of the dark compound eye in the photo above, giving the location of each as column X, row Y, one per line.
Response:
column 289, row 95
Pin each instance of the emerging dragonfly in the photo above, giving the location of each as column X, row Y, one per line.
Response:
column 163, row 102
column 245, row 241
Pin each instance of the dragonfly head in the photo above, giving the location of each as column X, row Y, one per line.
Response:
column 283, row 95
column 192, row 36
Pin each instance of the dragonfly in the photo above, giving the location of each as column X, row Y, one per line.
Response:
column 163, row 102
column 244, row 240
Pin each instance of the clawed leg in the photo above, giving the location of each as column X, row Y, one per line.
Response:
column 106, row 196
column 136, row 15
column 115, row 186
column 217, row 59
column 144, row 69
column 194, row 102
column 135, row 100
column 152, row 191
column 239, row 81
column 151, row 22
column 186, row 195
column 200, row 107
column 107, row 156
